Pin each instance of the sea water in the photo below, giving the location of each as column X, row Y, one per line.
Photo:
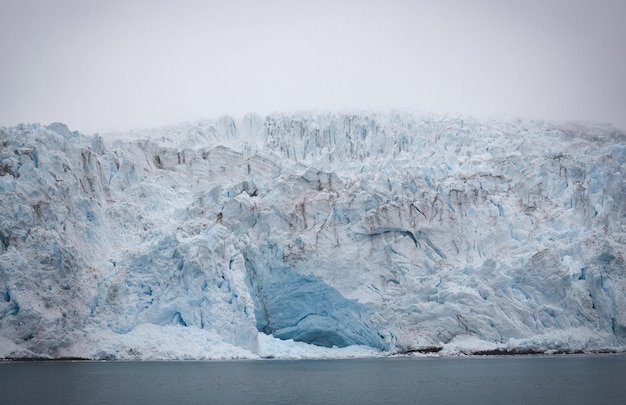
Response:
column 572, row 379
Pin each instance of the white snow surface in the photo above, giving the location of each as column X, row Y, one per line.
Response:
column 312, row 236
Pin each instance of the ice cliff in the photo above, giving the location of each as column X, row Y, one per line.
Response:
column 392, row 231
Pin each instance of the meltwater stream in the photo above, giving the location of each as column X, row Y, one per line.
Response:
column 484, row 380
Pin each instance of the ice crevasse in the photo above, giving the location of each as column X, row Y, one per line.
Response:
column 393, row 231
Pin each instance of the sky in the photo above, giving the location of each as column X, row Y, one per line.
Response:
column 100, row 66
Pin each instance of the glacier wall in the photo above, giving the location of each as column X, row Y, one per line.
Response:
column 393, row 231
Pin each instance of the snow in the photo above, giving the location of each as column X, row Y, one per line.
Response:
column 167, row 342
column 274, row 348
column 361, row 234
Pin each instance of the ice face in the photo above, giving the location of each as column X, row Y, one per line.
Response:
column 391, row 231
column 290, row 305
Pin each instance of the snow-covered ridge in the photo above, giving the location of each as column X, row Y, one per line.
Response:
column 390, row 231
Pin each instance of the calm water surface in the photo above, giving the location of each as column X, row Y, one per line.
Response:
column 484, row 380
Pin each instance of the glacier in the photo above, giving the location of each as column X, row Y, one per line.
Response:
column 357, row 234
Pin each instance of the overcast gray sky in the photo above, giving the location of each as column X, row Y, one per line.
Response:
column 121, row 64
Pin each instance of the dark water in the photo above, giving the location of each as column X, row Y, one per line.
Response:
column 489, row 380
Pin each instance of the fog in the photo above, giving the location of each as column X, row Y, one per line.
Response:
column 101, row 66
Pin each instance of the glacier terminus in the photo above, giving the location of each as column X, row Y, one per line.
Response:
column 373, row 234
